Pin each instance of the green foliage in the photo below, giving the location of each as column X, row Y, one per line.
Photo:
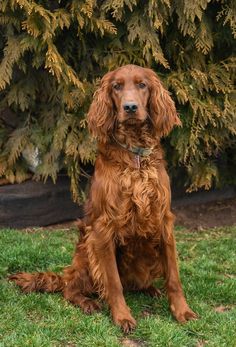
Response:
column 53, row 52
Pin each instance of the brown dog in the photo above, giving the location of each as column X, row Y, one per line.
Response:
column 127, row 234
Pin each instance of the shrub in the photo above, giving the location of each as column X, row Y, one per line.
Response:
column 53, row 53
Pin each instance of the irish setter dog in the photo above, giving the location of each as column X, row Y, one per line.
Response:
column 126, row 239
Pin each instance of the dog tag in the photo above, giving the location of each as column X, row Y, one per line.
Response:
column 137, row 161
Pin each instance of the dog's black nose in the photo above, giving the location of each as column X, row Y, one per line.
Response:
column 130, row 107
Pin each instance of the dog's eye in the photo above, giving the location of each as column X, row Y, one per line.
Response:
column 117, row 86
column 142, row 85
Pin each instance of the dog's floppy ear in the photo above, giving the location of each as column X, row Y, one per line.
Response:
column 161, row 106
column 100, row 115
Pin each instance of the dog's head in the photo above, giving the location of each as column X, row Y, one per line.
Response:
column 131, row 95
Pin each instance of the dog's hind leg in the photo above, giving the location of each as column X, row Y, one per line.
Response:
column 86, row 304
column 78, row 284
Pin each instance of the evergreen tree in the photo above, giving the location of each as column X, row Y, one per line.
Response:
column 52, row 53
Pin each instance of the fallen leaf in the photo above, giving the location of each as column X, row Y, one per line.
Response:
column 230, row 275
column 146, row 313
column 131, row 343
column 201, row 343
column 222, row 308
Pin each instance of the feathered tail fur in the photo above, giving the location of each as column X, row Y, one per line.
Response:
column 38, row 282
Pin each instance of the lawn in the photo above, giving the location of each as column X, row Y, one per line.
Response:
column 208, row 272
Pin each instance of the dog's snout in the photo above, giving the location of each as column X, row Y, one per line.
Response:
column 130, row 107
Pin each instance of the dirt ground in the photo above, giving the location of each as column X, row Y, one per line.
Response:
column 206, row 215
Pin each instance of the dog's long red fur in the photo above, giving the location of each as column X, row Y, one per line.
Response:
column 127, row 236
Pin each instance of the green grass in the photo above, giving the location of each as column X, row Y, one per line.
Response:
column 208, row 272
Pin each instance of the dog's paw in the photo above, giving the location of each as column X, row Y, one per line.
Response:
column 182, row 312
column 124, row 320
column 126, row 324
column 90, row 306
column 185, row 315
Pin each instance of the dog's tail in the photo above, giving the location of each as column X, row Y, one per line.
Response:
column 38, row 282
column 49, row 282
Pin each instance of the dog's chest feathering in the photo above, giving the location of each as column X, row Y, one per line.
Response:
column 141, row 202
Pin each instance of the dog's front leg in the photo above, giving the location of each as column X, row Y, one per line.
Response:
column 178, row 304
column 103, row 266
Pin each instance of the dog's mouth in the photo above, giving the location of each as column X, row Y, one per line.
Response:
column 134, row 120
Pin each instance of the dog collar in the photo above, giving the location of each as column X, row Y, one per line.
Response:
column 138, row 151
